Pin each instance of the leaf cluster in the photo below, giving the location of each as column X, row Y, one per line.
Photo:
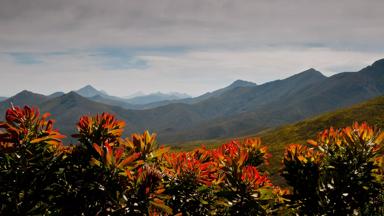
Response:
column 106, row 174
column 339, row 173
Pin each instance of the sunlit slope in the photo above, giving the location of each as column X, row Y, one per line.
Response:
column 276, row 139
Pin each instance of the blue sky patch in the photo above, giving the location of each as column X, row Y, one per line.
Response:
column 114, row 58
column 25, row 58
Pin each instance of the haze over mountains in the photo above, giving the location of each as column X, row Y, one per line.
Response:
column 138, row 102
column 239, row 109
column 90, row 91
column 156, row 97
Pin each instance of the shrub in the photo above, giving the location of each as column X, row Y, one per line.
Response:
column 192, row 180
column 246, row 191
column 223, row 181
column 119, row 176
column 31, row 156
column 341, row 173
column 106, row 174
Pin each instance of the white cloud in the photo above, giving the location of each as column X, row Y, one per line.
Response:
column 59, row 25
column 222, row 40
column 193, row 71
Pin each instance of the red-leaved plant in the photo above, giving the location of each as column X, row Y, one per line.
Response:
column 340, row 173
column 105, row 174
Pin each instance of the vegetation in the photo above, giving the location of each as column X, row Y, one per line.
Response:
column 276, row 139
column 340, row 173
column 107, row 174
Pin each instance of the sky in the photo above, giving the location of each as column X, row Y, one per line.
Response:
column 189, row 46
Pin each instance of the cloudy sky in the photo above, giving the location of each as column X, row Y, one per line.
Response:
column 192, row 46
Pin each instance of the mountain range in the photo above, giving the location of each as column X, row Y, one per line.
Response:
column 135, row 94
column 138, row 102
column 371, row 111
column 157, row 97
column 239, row 109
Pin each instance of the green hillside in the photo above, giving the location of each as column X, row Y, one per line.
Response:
column 276, row 139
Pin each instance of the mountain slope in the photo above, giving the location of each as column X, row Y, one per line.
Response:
column 239, row 110
column 65, row 109
column 228, row 113
column 89, row 91
column 21, row 99
column 156, row 97
column 286, row 101
column 371, row 111
column 102, row 97
column 114, row 101
column 219, row 92
column 206, row 96
column 151, row 101
column 136, row 94
column 68, row 108
column 56, row 94
column 138, row 102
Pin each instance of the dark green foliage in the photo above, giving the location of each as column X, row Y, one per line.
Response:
column 30, row 166
column 303, row 175
column 342, row 173
column 339, row 174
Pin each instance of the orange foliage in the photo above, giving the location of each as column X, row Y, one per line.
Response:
column 26, row 126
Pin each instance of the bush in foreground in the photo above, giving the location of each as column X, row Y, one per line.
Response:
column 340, row 173
column 107, row 174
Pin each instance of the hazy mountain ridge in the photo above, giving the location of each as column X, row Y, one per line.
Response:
column 22, row 98
column 371, row 111
column 136, row 94
column 68, row 108
column 56, row 94
column 157, row 97
column 219, row 92
column 290, row 104
column 239, row 109
column 89, row 91
column 144, row 101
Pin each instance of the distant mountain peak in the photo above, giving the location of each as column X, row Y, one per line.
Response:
column 26, row 93
column 376, row 69
column 25, row 97
column 56, row 94
column 89, row 91
column 72, row 96
column 157, row 97
column 242, row 83
column 88, row 88
column 310, row 73
column 378, row 63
